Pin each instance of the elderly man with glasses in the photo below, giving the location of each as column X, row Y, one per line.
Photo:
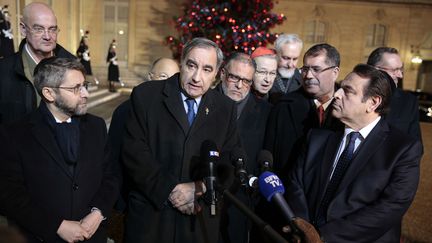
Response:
column 252, row 112
column 57, row 180
column 17, row 92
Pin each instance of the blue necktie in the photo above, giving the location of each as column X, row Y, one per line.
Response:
column 341, row 167
column 190, row 112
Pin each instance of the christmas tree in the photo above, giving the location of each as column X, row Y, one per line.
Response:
column 235, row 25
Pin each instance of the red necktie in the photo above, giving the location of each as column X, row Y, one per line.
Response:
column 320, row 112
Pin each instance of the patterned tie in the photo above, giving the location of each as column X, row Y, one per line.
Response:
column 190, row 112
column 341, row 167
column 320, row 112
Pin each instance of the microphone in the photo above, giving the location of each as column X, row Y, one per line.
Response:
column 265, row 161
column 272, row 189
column 210, row 154
column 238, row 160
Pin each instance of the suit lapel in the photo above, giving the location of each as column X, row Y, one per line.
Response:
column 206, row 110
column 363, row 154
column 45, row 137
column 174, row 103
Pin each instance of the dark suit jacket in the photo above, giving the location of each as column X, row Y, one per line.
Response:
column 158, row 149
column 404, row 113
column 17, row 94
column 38, row 189
column 288, row 123
column 377, row 189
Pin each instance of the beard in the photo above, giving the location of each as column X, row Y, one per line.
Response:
column 286, row 72
column 69, row 110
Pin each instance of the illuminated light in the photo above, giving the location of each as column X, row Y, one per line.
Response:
column 209, row 18
column 416, row 60
column 225, row 10
column 190, row 24
column 213, row 9
column 282, row 15
column 243, row 30
column 193, row 13
column 218, row 36
column 236, row 47
column 249, row 36
column 253, row 48
column 121, row 32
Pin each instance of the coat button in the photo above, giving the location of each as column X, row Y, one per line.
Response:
column 75, row 187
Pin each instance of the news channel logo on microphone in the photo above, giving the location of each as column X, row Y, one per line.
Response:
column 270, row 184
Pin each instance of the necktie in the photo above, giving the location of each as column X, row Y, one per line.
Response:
column 190, row 112
column 320, row 112
column 341, row 167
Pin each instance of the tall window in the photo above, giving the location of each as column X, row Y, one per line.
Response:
column 116, row 17
column 315, row 31
column 376, row 35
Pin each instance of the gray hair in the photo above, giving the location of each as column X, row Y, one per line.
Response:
column 287, row 39
column 50, row 72
column 202, row 43
column 240, row 57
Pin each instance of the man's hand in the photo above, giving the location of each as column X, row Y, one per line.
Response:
column 182, row 197
column 91, row 222
column 71, row 231
column 310, row 233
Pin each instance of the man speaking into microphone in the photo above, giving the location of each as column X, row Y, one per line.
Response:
column 168, row 122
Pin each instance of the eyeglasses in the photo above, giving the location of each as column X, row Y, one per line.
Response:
column 314, row 70
column 77, row 88
column 39, row 30
column 265, row 73
column 235, row 79
column 392, row 70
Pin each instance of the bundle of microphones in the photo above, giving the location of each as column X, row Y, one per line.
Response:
column 269, row 184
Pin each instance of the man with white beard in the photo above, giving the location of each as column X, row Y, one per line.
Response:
column 288, row 48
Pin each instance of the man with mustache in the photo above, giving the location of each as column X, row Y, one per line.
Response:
column 288, row 48
column 57, row 180
column 306, row 108
column 17, row 92
column 356, row 184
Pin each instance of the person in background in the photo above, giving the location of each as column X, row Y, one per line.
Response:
column 17, row 93
column 113, row 68
column 288, row 48
column 163, row 68
column 403, row 112
column 265, row 73
column 83, row 53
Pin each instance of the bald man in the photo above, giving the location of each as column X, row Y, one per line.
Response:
column 163, row 68
column 17, row 93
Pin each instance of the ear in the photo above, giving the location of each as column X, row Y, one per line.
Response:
column 373, row 103
column 23, row 29
column 48, row 94
column 336, row 71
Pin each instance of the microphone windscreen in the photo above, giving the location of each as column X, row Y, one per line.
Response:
column 209, row 151
column 238, row 153
column 265, row 159
column 270, row 184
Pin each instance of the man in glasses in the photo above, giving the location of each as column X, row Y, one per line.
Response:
column 57, row 180
column 17, row 92
column 236, row 81
column 306, row 108
column 403, row 112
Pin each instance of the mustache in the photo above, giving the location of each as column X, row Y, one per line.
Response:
column 311, row 82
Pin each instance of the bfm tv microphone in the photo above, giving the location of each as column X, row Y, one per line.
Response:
column 210, row 155
column 272, row 189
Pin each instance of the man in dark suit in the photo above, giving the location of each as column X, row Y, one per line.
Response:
column 252, row 113
column 57, row 181
column 169, row 120
column 403, row 112
column 308, row 107
column 288, row 49
column 17, row 92
column 355, row 185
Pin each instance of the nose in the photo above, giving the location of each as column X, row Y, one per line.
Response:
column 308, row 74
column 196, row 75
column 338, row 93
column 84, row 92
column 239, row 84
column 399, row 73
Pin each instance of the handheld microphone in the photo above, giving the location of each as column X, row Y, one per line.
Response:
column 210, row 154
column 265, row 161
column 272, row 189
column 238, row 160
